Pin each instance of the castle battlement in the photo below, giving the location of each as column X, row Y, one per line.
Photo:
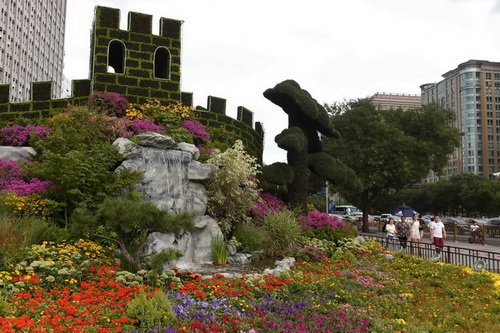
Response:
column 139, row 66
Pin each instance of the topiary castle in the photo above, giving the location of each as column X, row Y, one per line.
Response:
column 139, row 66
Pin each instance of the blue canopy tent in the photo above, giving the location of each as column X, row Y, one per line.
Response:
column 403, row 210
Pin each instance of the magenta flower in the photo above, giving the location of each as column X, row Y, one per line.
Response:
column 316, row 219
column 196, row 129
column 20, row 136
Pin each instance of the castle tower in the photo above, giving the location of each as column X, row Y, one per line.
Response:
column 134, row 62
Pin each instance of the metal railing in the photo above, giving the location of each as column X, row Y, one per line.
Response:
column 476, row 259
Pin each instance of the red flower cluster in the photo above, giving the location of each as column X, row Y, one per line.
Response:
column 100, row 303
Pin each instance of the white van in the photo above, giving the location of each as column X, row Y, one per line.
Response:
column 345, row 210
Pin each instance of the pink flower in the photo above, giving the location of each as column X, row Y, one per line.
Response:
column 196, row 130
column 20, row 136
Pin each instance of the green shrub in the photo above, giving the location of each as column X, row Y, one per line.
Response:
column 329, row 234
column 232, row 189
column 77, row 155
column 283, row 230
column 18, row 233
column 220, row 250
column 150, row 312
column 4, row 306
column 252, row 237
column 128, row 222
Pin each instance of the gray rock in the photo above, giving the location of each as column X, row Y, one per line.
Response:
column 281, row 266
column 190, row 148
column 156, row 140
column 127, row 148
column 359, row 240
column 8, row 153
column 240, row 259
column 199, row 171
column 195, row 246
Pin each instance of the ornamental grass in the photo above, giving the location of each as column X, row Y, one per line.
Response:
column 361, row 291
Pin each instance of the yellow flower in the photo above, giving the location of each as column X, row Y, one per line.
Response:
column 400, row 321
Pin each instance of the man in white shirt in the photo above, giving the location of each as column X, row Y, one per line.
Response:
column 437, row 233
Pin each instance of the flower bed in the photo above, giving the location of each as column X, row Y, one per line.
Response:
column 366, row 293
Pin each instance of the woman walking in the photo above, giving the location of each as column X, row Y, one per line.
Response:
column 415, row 230
column 403, row 231
column 390, row 229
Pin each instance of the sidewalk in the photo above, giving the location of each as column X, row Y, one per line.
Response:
column 449, row 242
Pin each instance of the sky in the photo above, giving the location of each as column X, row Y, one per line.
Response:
column 335, row 49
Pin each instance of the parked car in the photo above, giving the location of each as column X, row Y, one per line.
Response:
column 426, row 219
column 470, row 220
column 385, row 217
column 455, row 221
column 493, row 223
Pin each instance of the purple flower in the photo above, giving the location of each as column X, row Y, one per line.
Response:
column 316, row 219
column 138, row 126
column 110, row 103
column 196, row 130
column 20, row 136
column 11, row 180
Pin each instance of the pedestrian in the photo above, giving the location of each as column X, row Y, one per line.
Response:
column 437, row 233
column 390, row 229
column 415, row 230
column 403, row 231
column 421, row 227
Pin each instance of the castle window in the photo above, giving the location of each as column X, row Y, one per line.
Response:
column 116, row 57
column 162, row 63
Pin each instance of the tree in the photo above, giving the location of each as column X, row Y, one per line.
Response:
column 306, row 117
column 128, row 222
column 389, row 149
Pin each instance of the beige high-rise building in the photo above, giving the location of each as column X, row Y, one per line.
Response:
column 472, row 91
column 387, row 101
column 31, row 44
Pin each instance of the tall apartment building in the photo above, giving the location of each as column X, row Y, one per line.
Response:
column 31, row 44
column 472, row 91
column 387, row 101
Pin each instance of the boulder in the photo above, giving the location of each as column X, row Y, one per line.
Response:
column 156, row 140
column 184, row 146
column 195, row 246
column 8, row 153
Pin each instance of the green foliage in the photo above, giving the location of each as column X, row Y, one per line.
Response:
column 283, row 230
column 252, row 237
column 465, row 195
column 327, row 246
column 232, row 190
column 305, row 119
column 277, row 173
column 150, row 312
column 128, row 223
column 221, row 138
column 327, row 233
column 156, row 263
column 333, row 170
column 389, row 149
column 18, row 233
column 291, row 139
column 220, row 250
column 4, row 306
column 79, row 158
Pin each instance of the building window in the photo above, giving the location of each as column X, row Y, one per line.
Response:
column 116, row 57
column 162, row 63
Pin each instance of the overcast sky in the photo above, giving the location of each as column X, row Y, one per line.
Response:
column 336, row 50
